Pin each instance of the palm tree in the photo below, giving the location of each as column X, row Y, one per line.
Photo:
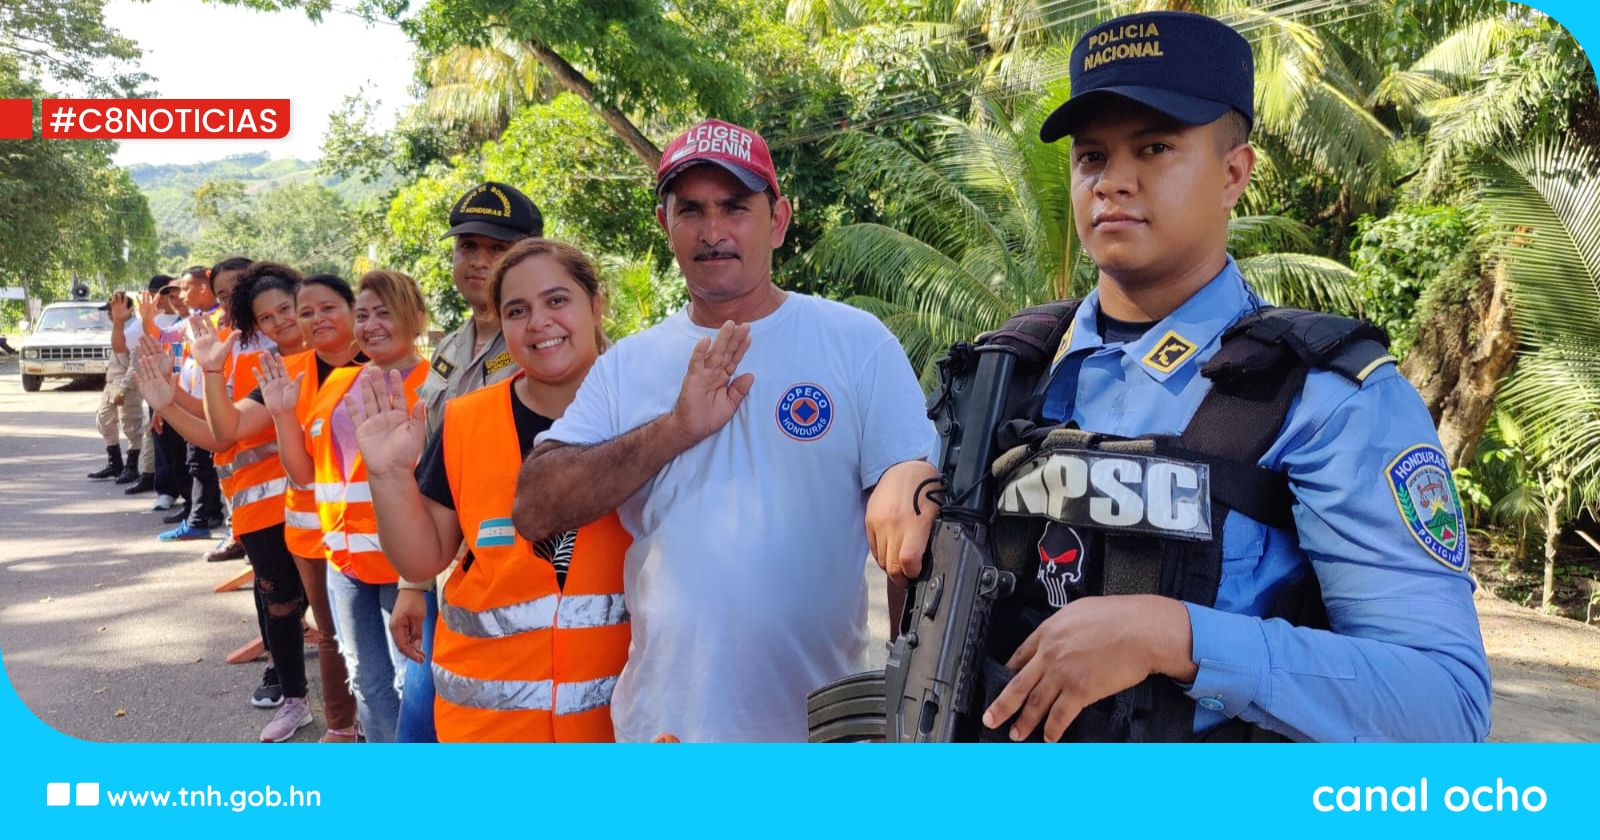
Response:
column 1546, row 198
column 977, row 224
column 480, row 88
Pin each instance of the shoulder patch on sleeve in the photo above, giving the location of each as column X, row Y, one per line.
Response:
column 443, row 366
column 1425, row 494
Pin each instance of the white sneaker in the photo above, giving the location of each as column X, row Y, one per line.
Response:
column 293, row 714
column 163, row 502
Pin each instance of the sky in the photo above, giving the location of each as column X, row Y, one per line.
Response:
column 200, row 50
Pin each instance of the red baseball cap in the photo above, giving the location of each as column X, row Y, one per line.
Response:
column 740, row 151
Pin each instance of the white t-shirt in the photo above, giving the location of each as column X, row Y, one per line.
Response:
column 744, row 578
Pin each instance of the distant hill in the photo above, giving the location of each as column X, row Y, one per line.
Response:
column 168, row 187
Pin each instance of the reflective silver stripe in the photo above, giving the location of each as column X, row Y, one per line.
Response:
column 224, row 472
column 354, row 543
column 264, row 490
column 508, row 620
column 303, row 521
column 579, row 611
column 295, row 485
column 497, row 695
column 575, row 697
column 336, row 491
column 255, row 455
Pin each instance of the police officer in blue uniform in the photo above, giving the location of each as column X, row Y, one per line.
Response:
column 1317, row 591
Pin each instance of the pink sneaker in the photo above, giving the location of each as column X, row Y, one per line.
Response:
column 293, row 714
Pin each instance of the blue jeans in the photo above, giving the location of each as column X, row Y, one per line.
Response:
column 361, row 623
column 416, row 699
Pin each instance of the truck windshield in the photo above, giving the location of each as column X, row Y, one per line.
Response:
column 74, row 318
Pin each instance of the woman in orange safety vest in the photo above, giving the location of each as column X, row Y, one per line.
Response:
column 322, row 309
column 322, row 453
column 530, row 638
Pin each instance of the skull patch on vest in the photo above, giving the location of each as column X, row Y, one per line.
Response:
column 1060, row 562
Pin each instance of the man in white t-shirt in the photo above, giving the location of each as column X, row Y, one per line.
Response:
column 756, row 444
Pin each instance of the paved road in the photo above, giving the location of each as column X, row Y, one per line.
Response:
column 109, row 635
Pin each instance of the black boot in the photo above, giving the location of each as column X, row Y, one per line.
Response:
column 113, row 463
column 146, row 483
column 130, row 468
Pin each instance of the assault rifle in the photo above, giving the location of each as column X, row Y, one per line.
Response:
column 926, row 692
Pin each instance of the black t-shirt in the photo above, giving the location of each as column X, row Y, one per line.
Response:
column 431, row 477
column 1113, row 330
column 435, row 482
column 323, row 369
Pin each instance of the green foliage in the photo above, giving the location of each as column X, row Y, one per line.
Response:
column 1545, row 198
column 68, row 41
column 305, row 225
column 65, row 211
column 640, row 293
column 589, row 187
column 1397, row 257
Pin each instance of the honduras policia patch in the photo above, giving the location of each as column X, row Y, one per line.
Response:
column 442, row 366
column 1172, row 350
column 1060, row 561
column 1425, row 492
column 805, row 412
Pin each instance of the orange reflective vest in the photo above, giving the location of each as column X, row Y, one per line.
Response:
column 344, row 502
column 516, row 657
column 251, row 475
column 302, row 530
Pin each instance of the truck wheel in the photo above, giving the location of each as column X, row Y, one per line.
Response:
column 31, row 381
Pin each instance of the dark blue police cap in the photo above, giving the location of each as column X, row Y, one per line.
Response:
column 1190, row 67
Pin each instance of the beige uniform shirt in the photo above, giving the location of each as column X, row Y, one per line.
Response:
column 455, row 370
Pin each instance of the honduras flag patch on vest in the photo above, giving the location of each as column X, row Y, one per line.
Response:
column 1425, row 492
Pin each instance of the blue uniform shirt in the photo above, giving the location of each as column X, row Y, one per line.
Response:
column 1377, row 518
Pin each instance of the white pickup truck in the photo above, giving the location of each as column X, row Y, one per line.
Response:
column 72, row 340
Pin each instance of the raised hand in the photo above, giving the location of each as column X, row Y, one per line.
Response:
column 281, row 393
column 121, row 308
column 208, row 352
column 390, row 437
column 711, row 394
column 147, row 307
column 152, row 369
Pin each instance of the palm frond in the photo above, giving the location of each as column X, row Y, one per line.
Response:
column 1301, row 280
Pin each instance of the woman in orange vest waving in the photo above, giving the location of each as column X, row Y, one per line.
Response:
column 530, row 638
column 390, row 315
column 321, row 308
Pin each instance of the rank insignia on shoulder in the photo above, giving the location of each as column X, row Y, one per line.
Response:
column 1172, row 350
column 443, row 366
column 1425, row 493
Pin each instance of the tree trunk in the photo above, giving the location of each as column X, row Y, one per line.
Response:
column 577, row 83
column 1461, row 355
column 1552, row 540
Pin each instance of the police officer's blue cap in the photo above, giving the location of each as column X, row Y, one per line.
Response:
column 1190, row 67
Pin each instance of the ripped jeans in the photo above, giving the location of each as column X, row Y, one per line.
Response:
column 280, row 589
column 361, row 619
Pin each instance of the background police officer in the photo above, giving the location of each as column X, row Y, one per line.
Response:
column 1160, row 155
column 484, row 223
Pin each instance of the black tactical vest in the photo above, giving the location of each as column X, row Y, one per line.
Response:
column 1083, row 514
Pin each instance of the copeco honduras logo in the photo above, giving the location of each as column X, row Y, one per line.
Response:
column 1425, row 492
column 805, row 412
